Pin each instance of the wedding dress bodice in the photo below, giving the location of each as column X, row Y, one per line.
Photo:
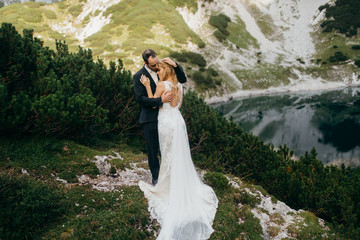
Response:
column 167, row 105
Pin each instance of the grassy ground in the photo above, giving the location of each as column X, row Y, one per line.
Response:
column 329, row 43
column 264, row 21
column 86, row 213
column 264, row 76
column 239, row 36
column 36, row 206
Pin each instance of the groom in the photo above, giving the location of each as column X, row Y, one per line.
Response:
column 150, row 106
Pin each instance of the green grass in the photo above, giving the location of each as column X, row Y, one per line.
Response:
column 264, row 76
column 140, row 16
column 30, row 15
column 104, row 215
column 190, row 4
column 239, row 35
column 50, row 14
column 46, row 156
column 135, row 25
column 83, row 213
column 86, row 213
column 75, row 10
column 226, row 222
column 329, row 43
column 63, row 158
column 264, row 22
column 313, row 230
column 51, row 211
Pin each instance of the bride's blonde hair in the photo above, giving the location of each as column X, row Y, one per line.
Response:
column 169, row 74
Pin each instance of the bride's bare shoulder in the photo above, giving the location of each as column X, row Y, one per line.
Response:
column 161, row 85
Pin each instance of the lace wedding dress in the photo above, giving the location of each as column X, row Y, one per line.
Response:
column 183, row 205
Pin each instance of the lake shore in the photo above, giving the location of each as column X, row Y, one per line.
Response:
column 280, row 90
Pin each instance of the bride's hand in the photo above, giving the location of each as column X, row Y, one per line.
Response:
column 145, row 80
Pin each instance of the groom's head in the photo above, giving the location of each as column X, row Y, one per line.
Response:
column 150, row 59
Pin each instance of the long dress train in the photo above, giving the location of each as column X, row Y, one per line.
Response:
column 183, row 205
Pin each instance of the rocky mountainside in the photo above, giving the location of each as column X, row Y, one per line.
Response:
column 249, row 46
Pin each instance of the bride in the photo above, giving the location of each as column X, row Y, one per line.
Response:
column 183, row 205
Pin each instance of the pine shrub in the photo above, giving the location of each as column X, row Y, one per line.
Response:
column 61, row 93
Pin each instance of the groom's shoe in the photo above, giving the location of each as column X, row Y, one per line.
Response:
column 154, row 181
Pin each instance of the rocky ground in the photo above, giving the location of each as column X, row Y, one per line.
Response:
column 277, row 220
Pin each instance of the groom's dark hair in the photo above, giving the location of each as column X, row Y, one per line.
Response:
column 148, row 53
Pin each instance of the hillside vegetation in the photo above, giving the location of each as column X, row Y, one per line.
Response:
column 68, row 95
column 246, row 46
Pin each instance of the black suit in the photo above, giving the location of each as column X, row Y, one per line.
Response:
column 148, row 115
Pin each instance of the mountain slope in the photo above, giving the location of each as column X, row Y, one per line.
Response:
column 267, row 46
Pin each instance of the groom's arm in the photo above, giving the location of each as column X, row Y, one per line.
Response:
column 141, row 94
column 178, row 70
column 180, row 74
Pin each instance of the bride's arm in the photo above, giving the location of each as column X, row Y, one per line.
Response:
column 159, row 88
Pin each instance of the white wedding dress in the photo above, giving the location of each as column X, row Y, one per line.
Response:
column 183, row 205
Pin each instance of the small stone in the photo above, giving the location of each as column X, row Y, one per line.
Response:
column 23, row 171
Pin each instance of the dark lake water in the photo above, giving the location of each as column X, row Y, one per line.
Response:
column 326, row 120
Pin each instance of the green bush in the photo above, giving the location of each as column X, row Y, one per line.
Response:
column 221, row 37
column 178, row 56
column 218, row 181
column 338, row 57
column 26, row 206
column 220, row 22
column 199, row 78
column 212, row 72
column 61, row 93
column 355, row 47
column 342, row 16
column 357, row 62
column 195, row 58
column 191, row 57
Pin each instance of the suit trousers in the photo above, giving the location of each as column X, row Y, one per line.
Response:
column 152, row 147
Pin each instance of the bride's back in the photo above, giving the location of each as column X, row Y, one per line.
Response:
column 176, row 90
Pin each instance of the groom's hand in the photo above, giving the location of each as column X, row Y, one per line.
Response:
column 167, row 96
column 170, row 62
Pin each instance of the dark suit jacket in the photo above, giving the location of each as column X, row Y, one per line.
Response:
column 148, row 114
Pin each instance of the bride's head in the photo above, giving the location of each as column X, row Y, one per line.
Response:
column 166, row 72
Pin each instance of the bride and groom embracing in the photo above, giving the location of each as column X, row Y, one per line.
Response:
column 183, row 205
